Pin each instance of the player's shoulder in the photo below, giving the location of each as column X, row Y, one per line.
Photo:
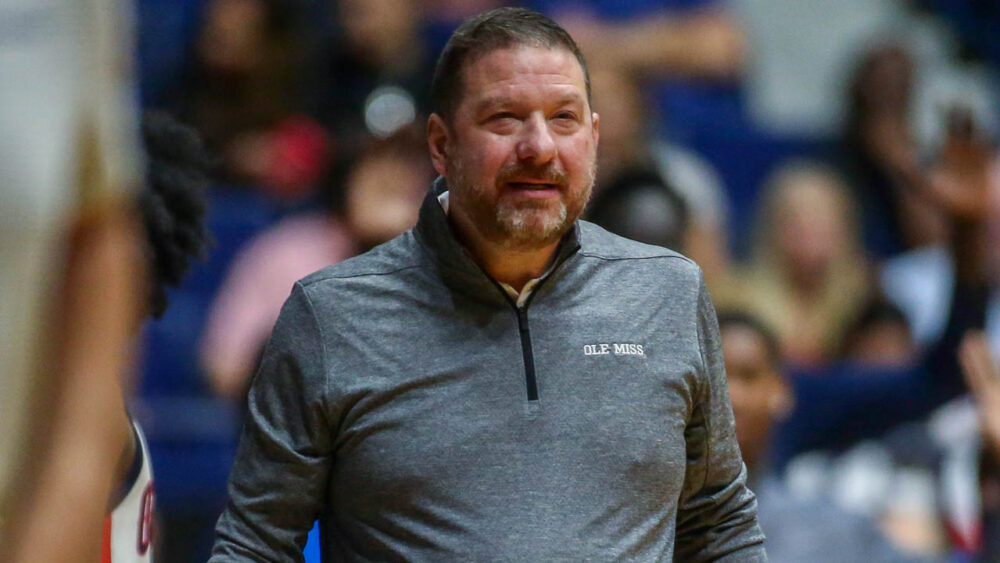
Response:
column 600, row 244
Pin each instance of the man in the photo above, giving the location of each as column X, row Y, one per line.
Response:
column 502, row 382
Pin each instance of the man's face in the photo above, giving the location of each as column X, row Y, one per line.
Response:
column 520, row 150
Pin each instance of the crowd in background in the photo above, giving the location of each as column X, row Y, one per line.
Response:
column 831, row 166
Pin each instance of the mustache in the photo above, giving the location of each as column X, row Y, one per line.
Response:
column 548, row 173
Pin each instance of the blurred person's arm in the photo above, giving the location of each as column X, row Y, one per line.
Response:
column 950, row 197
column 700, row 44
column 85, row 434
column 889, row 141
column 957, row 188
column 983, row 378
column 959, row 185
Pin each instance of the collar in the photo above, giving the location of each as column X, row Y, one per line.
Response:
column 454, row 261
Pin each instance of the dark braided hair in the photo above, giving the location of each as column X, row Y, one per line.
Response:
column 172, row 203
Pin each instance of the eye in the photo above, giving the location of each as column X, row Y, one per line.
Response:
column 502, row 122
column 502, row 115
column 565, row 121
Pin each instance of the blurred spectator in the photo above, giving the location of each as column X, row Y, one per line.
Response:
column 962, row 179
column 693, row 38
column 637, row 204
column 801, row 55
column 689, row 54
column 442, row 17
column 378, row 70
column 628, row 142
column 797, row 530
column 809, row 275
column 901, row 102
column 371, row 198
column 882, row 380
column 880, row 337
column 241, row 90
column 882, row 155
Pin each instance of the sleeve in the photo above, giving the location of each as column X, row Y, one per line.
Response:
column 967, row 311
column 717, row 513
column 280, row 475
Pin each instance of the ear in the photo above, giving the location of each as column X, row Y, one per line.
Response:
column 437, row 140
column 596, row 119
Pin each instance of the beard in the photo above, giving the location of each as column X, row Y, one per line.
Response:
column 520, row 224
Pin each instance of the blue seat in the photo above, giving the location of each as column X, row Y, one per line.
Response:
column 168, row 28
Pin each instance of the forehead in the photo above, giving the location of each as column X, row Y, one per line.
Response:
column 522, row 71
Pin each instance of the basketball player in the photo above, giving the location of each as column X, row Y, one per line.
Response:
column 173, row 210
column 70, row 269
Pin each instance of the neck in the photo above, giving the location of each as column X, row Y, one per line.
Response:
column 514, row 267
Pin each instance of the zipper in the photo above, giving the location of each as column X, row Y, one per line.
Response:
column 530, row 380
column 529, row 358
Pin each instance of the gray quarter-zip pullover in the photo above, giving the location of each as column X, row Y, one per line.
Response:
column 406, row 401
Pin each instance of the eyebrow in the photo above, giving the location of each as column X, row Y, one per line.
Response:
column 495, row 101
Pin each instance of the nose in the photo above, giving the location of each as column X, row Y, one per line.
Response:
column 537, row 145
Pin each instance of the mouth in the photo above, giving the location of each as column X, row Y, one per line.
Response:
column 534, row 188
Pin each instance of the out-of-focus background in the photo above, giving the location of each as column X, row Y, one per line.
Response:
column 817, row 158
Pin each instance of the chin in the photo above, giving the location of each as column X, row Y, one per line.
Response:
column 533, row 228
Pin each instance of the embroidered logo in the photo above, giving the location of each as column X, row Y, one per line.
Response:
column 617, row 349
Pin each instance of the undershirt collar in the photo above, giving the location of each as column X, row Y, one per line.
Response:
column 519, row 298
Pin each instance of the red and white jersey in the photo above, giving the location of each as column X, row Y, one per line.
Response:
column 128, row 530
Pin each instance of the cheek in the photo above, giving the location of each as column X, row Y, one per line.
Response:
column 578, row 155
column 480, row 158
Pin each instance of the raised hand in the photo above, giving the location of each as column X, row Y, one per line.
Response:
column 959, row 184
